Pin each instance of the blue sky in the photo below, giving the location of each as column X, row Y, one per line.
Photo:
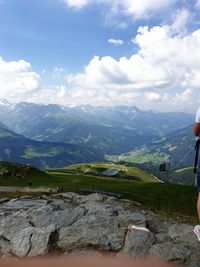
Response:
column 103, row 52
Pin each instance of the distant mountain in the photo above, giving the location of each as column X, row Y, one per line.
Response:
column 2, row 125
column 176, row 148
column 130, row 117
column 111, row 130
column 16, row 148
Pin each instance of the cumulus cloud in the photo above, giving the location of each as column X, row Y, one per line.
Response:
column 164, row 71
column 116, row 42
column 17, row 79
column 166, row 63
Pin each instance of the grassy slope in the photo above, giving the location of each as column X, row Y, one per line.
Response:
column 37, row 176
column 184, row 176
column 172, row 199
column 128, row 173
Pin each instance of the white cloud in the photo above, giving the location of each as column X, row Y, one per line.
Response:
column 116, row 42
column 17, row 79
column 77, row 4
column 181, row 19
column 58, row 73
column 184, row 100
column 165, row 63
column 152, row 96
column 142, row 8
column 165, row 68
column 135, row 73
column 198, row 3
column 134, row 8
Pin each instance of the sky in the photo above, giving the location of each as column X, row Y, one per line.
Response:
column 143, row 53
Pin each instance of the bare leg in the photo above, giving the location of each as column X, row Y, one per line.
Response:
column 198, row 206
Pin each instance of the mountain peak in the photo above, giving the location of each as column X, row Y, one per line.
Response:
column 4, row 102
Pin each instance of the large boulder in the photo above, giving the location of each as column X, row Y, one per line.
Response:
column 32, row 241
column 13, row 224
column 138, row 243
column 101, row 232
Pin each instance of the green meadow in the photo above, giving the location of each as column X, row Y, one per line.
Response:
column 172, row 200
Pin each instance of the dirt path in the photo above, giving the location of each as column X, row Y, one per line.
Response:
column 22, row 189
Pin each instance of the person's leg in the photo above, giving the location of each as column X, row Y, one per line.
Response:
column 197, row 227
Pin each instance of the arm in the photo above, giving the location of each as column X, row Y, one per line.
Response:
column 196, row 129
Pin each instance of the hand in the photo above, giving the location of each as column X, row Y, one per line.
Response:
column 83, row 262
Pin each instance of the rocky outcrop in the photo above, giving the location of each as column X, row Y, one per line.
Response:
column 95, row 224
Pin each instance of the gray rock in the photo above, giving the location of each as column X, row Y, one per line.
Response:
column 135, row 218
column 40, row 241
column 60, row 218
column 20, row 244
column 98, row 208
column 27, row 203
column 92, row 231
column 73, row 197
column 31, row 241
column 4, row 246
column 162, row 237
column 12, row 224
column 3, row 200
column 93, row 224
column 171, row 252
column 138, row 243
column 96, row 197
column 183, row 233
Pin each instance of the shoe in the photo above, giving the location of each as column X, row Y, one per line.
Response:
column 197, row 231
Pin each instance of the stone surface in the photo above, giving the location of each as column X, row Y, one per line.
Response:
column 60, row 218
column 182, row 233
column 27, row 203
column 92, row 231
column 13, row 224
column 138, row 243
column 95, row 224
column 31, row 241
column 172, row 252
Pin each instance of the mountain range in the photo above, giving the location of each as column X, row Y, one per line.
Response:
column 17, row 148
column 55, row 136
column 111, row 130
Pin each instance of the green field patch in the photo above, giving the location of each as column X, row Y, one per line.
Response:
column 86, row 139
column 183, row 170
column 33, row 153
column 27, row 173
column 172, row 148
column 4, row 133
column 140, row 157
